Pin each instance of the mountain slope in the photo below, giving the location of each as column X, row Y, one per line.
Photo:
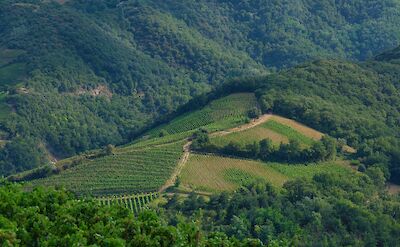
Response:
column 77, row 75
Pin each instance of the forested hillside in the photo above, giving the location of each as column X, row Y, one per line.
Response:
column 357, row 103
column 78, row 75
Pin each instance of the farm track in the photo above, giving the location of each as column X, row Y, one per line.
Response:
column 186, row 148
column 183, row 160
column 255, row 122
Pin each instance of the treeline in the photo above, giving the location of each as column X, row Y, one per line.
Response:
column 292, row 152
column 329, row 210
column 46, row 217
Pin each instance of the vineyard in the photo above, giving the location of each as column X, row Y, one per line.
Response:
column 304, row 130
column 308, row 171
column 249, row 136
column 273, row 130
column 288, row 132
column 131, row 171
column 213, row 173
column 145, row 165
column 135, row 203
column 220, row 114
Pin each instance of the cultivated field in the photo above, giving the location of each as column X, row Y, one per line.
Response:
column 274, row 128
column 135, row 203
column 309, row 170
column 213, row 173
column 224, row 113
column 132, row 171
column 304, row 130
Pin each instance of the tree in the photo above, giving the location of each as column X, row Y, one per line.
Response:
column 266, row 149
column 330, row 145
column 253, row 150
column 255, row 112
column 377, row 176
column 109, row 149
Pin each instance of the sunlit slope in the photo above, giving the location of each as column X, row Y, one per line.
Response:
column 223, row 113
column 133, row 171
column 146, row 164
column 213, row 173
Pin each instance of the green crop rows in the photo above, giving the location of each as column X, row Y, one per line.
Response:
column 287, row 131
column 241, row 177
column 134, row 171
column 308, row 171
column 223, row 113
column 135, row 203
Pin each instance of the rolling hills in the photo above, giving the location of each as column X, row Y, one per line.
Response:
column 100, row 72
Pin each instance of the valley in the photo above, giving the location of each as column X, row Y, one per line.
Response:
column 199, row 123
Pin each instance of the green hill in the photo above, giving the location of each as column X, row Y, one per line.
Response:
column 78, row 75
column 146, row 164
column 154, row 161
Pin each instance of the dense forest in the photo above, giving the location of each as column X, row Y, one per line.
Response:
column 78, row 75
column 120, row 83
column 325, row 211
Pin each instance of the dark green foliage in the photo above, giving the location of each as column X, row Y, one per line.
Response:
column 356, row 103
column 200, row 139
column 292, row 152
column 56, row 218
column 330, row 210
column 19, row 155
column 254, row 113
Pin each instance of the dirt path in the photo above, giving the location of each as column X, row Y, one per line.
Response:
column 186, row 148
column 255, row 122
column 185, row 157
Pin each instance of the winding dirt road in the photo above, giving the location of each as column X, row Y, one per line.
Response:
column 186, row 148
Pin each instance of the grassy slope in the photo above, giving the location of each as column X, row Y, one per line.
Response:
column 278, row 129
column 212, row 173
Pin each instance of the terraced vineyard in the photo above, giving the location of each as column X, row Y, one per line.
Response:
column 131, row 171
column 135, row 203
column 220, row 114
